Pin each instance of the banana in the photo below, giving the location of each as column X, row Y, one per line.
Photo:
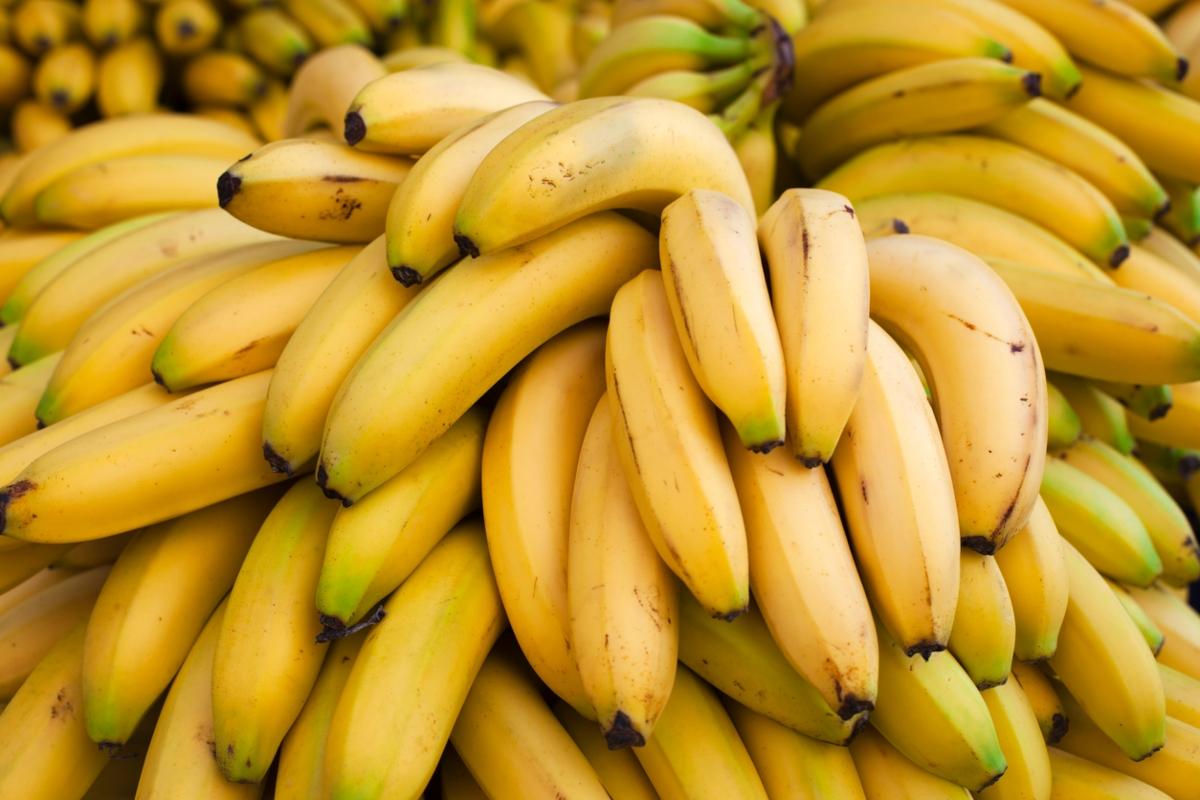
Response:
column 792, row 765
column 1103, row 661
column 759, row 156
column 330, row 22
column 511, row 742
column 355, row 307
column 1100, row 415
column 622, row 598
column 128, row 79
column 35, row 125
column 29, row 630
column 637, row 153
column 19, row 391
column 1150, row 274
column 1036, row 581
column 153, row 607
column 377, row 543
column 530, row 457
column 420, row 217
column 650, row 45
column 1028, row 774
column 892, row 476
column 453, row 25
column 310, row 189
column 1169, row 529
column 1173, row 769
column 1099, row 522
column 542, row 32
column 803, row 576
column 180, row 760
column 618, row 770
column 1179, row 622
column 65, row 77
column 936, row 97
column 1003, row 174
column 15, row 77
column 1043, row 699
column 1089, row 329
column 741, row 660
column 46, row 754
column 241, row 326
column 41, row 25
column 1110, row 34
column 838, row 50
column 274, row 40
column 710, row 268
column 111, row 354
column 269, row 112
column 455, row 782
column 1164, row 245
column 1183, row 695
column 140, row 135
column 302, row 755
column 886, row 774
column 112, row 191
column 324, row 85
column 111, row 23
column 414, row 672
column 97, row 553
column 986, row 230
column 23, row 561
column 219, row 77
column 1157, row 123
column 176, row 458
column 1075, row 778
column 928, row 293
column 420, row 56
column 984, row 631
column 1148, row 401
column 1176, row 427
column 20, row 254
column 670, row 448
column 1183, row 217
column 186, row 27
column 411, row 111
column 36, row 583
column 696, row 752
column 382, row 15
column 931, row 712
column 718, row 14
column 498, row 309
column 1155, row 639
column 1064, row 427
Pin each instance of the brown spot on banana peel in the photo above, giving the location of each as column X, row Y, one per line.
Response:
column 621, row 733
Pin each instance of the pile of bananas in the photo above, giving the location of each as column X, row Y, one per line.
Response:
column 649, row 398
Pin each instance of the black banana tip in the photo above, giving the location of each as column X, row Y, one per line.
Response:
column 41, row 423
column 812, row 462
column 277, row 462
column 1159, row 411
column 622, row 734
column 980, row 544
column 763, row 448
column 186, row 28
column 1188, row 464
column 333, row 628
column 784, row 66
column 900, row 226
column 1118, row 256
column 730, row 616
column 1059, row 725
column 924, row 649
column 59, row 98
column 332, row 494
column 992, row 780
column 158, row 378
column 1181, row 68
column 852, row 706
column 1032, row 82
column 356, row 129
column 228, row 185
column 12, row 362
column 465, row 246
column 1162, row 209
column 407, row 276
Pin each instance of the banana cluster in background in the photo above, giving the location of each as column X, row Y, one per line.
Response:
column 624, row 399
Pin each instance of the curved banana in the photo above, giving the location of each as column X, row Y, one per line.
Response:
column 984, row 631
column 420, row 217
column 760, row 157
column 324, row 85
column 511, row 742
column 411, row 111
column 414, row 672
column 898, row 501
column 618, row 770
column 111, row 354
column 819, row 293
column 40, row 25
column 186, row 27
column 19, row 390
column 331, row 22
column 310, row 189
column 34, row 125
column 111, row 23
column 712, row 14
column 274, row 40
column 129, row 79
column 1028, row 773
column 242, row 325
column 65, row 77
column 1164, row 245
column 1043, row 699
column 22, row 253
column 1063, row 428
column 20, row 563
column 530, row 458
column 417, row 378
column 886, row 772
column 1155, row 638
column 377, row 543
column 1076, row 778
column 1176, row 428
column 153, row 607
column 674, row 148
column 1152, row 275
column 1183, row 217
column 1034, row 574
column 1100, row 415
column 1183, row 695
column 996, row 172
column 40, row 580
column 977, row 355
column 1178, row 621
column 1146, row 400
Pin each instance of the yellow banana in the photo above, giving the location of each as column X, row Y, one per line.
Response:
column 35, row 125
column 887, row 773
column 414, row 672
column 313, row 190
column 111, row 23
column 21, row 253
column 529, row 465
column 638, row 153
column 1183, row 695
column 221, row 77
column 1183, row 217
column 984, row 631
column 330, row 22
column 1164, row 245
column 19, row 391
column 324, row 85
column 1176, row 427
column 128, row 79
column 1043, row 698
column 1063, row 428
column 497, row 318
column 1146, row 400
column 21, row 562
column 269, row 112
column 1075, row 778
column 40, row 25
column 618, row 770
column 759, row 156
column 1032, row 568
column 153, row 606
column 1155, row 639
column 39, row 581
column 1028, row 774
column 382, row 15
column 241, row 325
column 541, row 31
column 1178, row 621
column 274, row 40
column 14, row 85
column 1101, row 416
column 1150, row 274
column 715, row 14
column 186, row 27
column 65, row 77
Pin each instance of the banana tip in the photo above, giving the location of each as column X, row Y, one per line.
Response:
column 992, row 780
column 1181, row 68
column 1059, row 724
column 1162, row 210
column 333, row 628
column 356, row 129
column 1032, row 83
column 1118, row 256
column 621, row 733
column 983, row 545
column 407, row 276
column 466, row 247
column 853, row 705
column 763, row 448
column 1158, row 412
column 925, row 649
column 332, row 494
column 277, row 462
column 227, row 186
column 730, row 616
column 186, row 28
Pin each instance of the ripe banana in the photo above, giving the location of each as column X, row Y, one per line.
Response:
column 542, row 32
column 111, row 23
column 19, row 391
column 1174, row 252
column 377, row 543
column 984, row 631
column 1155, row 638
column 35, row 125
column 1028, row 773
column 1178, row 621
column 760, row 158
column 128, row 79
column 313, row 190
column 499, row 308
column 242, row 325
column 1075, row 778
column 14, row 84
column 186, row 27
column 22, row 253
column 618, row 770
column 274, row 40
column 21, row 562
column 269, row 112
column 153, row 607
column 1043, row 699
column 713, row 14
column 220, row 77
column 414, row 672
column 324, row 85
column 898, row 501
column 411, row 111
column 111, row 354
column 1003, row 174
column 40, row 580
column 803, row 576
column 1183, row 217
column 742, row 660
column 1100, row 415
column 1063, row 428
column 1034, row 575
column 1176, row 427
column 931, row 712
column 886, row 773
column 65, row 77
column 382, row 15
column 1146, row 400
column 511, row 742
column 1149, row 274
column 1183, row 695
column 420, row 217
column 638, row 153
column 40, row 25
column 331, row 22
